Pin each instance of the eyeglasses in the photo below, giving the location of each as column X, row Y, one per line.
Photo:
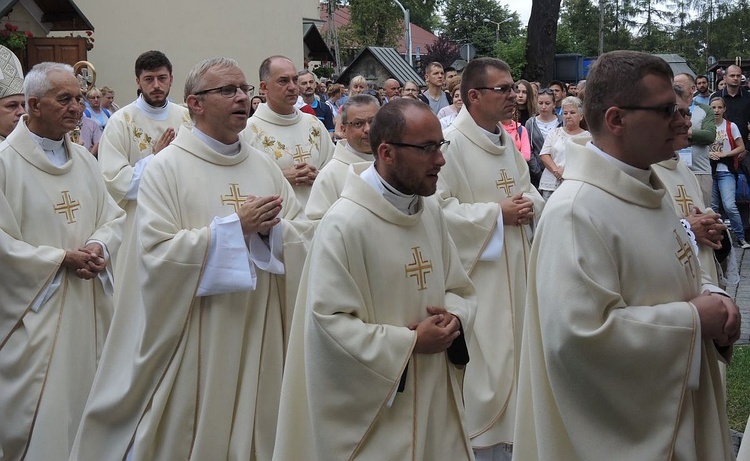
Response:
column 667, row 111
column 358, row 124
column 503, row 89
column 427, row 149
column 228, row 91
column 546, row 91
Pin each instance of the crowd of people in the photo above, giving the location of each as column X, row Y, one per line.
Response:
column 485, row 269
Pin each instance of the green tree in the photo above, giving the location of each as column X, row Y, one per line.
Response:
column 424, row 12
column 465, row 23
column 578, row 31
column 514, row 53
column 372, row 25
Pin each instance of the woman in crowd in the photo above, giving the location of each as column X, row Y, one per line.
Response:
column 94, row 109
column 448, row 113
column 519, row 135
column 723, row 152
column 255, row 101
column 108, row 99
column 411, row 90
column 525, row 101
column 334, row 93
column 553, row 150
column 539, row 127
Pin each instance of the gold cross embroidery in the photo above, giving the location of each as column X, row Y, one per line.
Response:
column 68, row 207
column 683, row 200
column 301, row 155
column 418, row 268
column 505, row 182
column 685, row 253
column 235, row 198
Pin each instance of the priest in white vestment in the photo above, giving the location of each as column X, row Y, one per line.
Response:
column 297, row 142
column 356, row 119
column 490, row 205
column 621, row 336
column 58, row 229
column 193, row 367
column 379, row 329
column 137, row 132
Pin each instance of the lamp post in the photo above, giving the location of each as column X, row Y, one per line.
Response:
column 497, row 28
column 407, row 34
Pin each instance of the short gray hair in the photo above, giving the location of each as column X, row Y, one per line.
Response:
column 572, row 101
column 357, row 100
column 37, row 83
column 194, row 80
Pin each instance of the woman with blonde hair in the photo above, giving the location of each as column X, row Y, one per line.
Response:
column 94, row 109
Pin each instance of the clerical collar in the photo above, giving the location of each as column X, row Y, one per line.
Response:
column 54, row 150
column 291, row 116
column 643, row 176
column 224, row 149
column 495, row 138
column 407, row 204
column 155, row 113
column 362, row 155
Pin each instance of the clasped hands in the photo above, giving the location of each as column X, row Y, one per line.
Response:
column 517, row 210
column 259, row 214
column 719, row 316
column 301, row 174
column 707, row 228
column 87, row 262
column 437, row 332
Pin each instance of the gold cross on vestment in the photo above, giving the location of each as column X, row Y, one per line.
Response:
column 235, row 198
column 301, row 155
column 418, row 268
column 505, row 182
column 68, row 207
column 684, row 200
column 685, row 253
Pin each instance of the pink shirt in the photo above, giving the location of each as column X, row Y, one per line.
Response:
column 522, row 141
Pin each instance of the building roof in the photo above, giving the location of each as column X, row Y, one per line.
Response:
column 420, row 38
column 52, row 14
column 315, row 43
column 390, row 59
column 677, row 63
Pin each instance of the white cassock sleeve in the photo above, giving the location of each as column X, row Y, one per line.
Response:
column 140, row 165
column 494, row 248
column 231, row 261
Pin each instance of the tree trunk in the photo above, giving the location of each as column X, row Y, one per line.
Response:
column 541, row 41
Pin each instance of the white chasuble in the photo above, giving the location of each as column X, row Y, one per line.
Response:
column 371, row 272
column 682, row 187
column 289, row 141
column 49, row 353
column 609, row 332
column 476, row 177
column 330, row 181
column 186, row 377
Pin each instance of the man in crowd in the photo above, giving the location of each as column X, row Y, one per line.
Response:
column 58, row 229
column 490, row 204
column 372, row 370
column 357, row 115
column 12, row 104
column 298, row 143
column 450, row 74
column 307, row 86
column 193, row 368
column 138, row 131
column 635, row 321
column 702, row 93
column 392, row 90
column 701, row 134
column 559, row 91
column 434, row 95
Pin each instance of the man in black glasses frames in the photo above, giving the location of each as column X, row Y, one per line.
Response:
column 490, row 205
column 378, row 354
column 623, row 332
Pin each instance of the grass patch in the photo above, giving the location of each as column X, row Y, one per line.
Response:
column 738, row 388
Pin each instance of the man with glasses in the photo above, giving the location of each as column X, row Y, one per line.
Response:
column 490, row 205
column 59, row 230
column 137, row 132
column 373, row 365
column 357, row 115
column 298, row 143
column 194, row 366
column 622, row 338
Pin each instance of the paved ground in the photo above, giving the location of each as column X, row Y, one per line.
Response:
column 741, row 292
